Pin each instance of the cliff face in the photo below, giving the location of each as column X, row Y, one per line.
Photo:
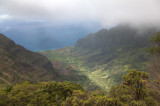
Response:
column 109, row 44
column 18, row 64
column 116, row 37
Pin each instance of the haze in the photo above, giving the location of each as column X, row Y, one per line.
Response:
column 50, row 24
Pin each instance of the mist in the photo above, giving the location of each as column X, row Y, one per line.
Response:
column 62, row 22
column 107, row 12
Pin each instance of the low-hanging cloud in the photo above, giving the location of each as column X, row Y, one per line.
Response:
column 106, row 12
column 4, row 17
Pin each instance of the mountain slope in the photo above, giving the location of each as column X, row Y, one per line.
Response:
column 18, row 64
column 110, row 41
column 105, row 56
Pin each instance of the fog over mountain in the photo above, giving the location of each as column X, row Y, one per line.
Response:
column 64, row 21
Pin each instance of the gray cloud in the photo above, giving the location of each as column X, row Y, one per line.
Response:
column 107, row 12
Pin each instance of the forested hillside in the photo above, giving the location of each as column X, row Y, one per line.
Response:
column 104, row 57
column 18, row 64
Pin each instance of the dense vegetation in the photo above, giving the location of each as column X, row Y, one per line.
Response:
column 44, row 93
column 135, row 90
column 102, row 58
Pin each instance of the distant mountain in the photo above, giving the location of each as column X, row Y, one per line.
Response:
column 104, row 57
column 18, row 64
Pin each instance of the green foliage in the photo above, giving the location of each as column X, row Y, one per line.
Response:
column 89, row 99
column 71, row 94
column 155, row 49
column 122, row 92
column 40, row 94
column 150, row 101
column 135, row 90
column 63, row 89
column 137, row 103
column 136, row 81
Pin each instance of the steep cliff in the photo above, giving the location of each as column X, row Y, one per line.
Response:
column 122, row 38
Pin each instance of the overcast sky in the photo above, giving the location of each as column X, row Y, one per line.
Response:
column 59, row 13
column 107, row 12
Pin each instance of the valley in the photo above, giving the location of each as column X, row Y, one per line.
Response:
column 79, row 52
column 112, row 72
column 101, row 62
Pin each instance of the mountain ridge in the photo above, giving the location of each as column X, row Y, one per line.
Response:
column 18, row 64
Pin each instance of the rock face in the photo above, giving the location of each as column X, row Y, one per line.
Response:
column 18, row 64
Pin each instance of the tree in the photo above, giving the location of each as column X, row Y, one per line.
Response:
column 136, row 81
